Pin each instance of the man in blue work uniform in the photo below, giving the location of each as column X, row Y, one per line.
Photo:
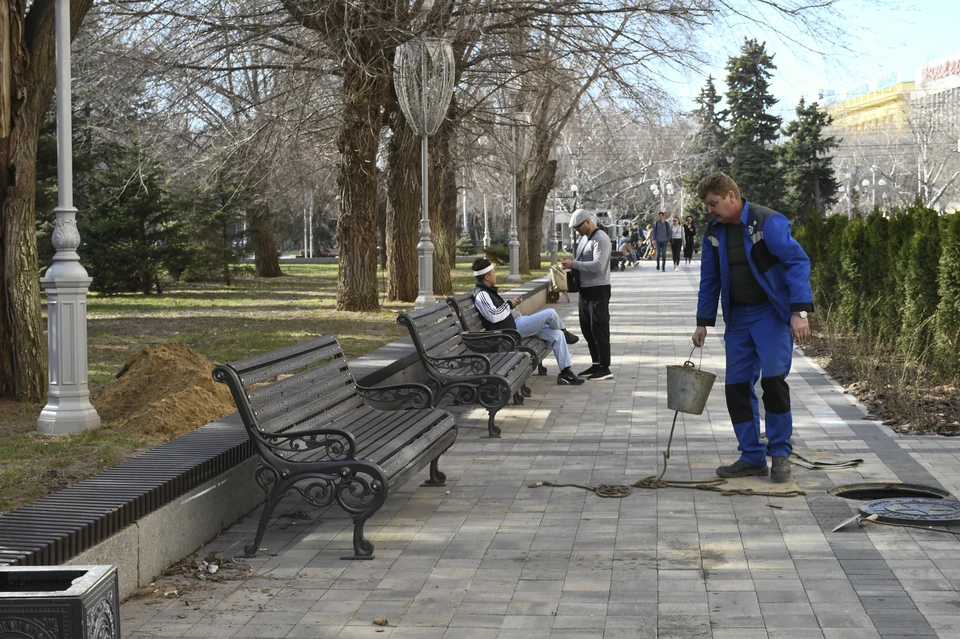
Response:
column 761, row 276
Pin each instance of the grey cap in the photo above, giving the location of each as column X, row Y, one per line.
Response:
column 579, row 217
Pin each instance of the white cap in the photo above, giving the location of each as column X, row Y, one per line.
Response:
column 579, row 217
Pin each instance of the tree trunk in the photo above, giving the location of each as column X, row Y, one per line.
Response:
column 443, row 223
column 449, row 212
column 27, row 81
column 403, row 212
column 264, row 247
column 364, row 89
column 539, row 192
column 523, row 222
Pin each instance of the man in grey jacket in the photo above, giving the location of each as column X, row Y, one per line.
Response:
column 592, row 260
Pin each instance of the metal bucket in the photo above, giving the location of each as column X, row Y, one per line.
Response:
column 688, row 388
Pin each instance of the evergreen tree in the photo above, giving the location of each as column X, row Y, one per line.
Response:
column 752, row 130
column 808, row 164
column 707, row 152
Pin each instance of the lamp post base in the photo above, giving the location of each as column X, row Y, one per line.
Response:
column 514, row 247
column 425, row 295
column 67, row 416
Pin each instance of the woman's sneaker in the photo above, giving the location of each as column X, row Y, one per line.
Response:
column 741, row 468
column 568, row 378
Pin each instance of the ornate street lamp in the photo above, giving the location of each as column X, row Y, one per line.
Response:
column 522, row 143
column 560, row 154
column 66, row 282
column 423, row 75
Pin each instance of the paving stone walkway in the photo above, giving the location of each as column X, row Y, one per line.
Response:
column 488, row 557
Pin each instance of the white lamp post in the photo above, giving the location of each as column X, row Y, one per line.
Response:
column 486, row 224
column 424, row 79
column 574, row 190
column 66, row 282
column 849, row 176
column 522, row 143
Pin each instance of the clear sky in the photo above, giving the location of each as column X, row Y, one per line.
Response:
column 895, row 38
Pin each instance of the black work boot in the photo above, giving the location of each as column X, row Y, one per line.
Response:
column 741, row 468
column 780, row 472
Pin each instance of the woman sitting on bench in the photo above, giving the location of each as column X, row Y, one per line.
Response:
column 498, row 314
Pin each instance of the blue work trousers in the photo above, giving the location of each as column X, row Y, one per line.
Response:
column 759, row 346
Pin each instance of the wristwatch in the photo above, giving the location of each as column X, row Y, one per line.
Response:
column 801, row 314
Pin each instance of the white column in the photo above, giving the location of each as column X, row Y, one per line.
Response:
column 552, row 231
column 310, row 222
column 66, row 282
column 486, row 224
column 514, row 244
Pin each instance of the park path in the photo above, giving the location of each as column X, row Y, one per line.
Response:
column 489, row 557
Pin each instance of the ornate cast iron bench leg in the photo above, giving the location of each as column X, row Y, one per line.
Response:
column 269, row 481
column 541, row 369
column 352, row 494
column 437, row 478
column 492, row 428
column 525, row 391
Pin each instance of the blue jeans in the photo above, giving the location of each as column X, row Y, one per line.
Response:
column 759, row 346
column 662, row 253
column 546, row 325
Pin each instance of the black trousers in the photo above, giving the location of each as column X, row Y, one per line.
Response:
column 595, row 322
column 676, row 246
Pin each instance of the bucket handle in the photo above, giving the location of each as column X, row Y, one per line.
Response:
column 689, row 363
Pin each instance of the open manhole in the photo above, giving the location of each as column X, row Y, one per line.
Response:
column 887, row 490
column 913, row 510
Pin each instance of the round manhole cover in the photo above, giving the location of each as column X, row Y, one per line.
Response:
column 913, row 510
column 887, row 490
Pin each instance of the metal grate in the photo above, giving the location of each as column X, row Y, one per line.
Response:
column 60, row 526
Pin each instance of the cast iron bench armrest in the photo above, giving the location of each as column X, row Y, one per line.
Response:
column 301, row 440
column 417, row 395
column 490, row 341
column 464, row 358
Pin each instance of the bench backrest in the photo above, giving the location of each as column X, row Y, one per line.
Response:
column 466, row 310
column 295, row 388
column 435, row 330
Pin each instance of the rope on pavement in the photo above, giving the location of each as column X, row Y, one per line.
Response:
column 653, row 482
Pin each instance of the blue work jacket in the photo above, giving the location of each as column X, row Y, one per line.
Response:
column 776, row 259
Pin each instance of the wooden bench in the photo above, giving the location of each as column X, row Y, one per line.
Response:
column 466, row 310
column 460, row 374
column 315, row 435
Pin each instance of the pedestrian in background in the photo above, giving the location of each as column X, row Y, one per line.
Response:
column 760, row 275
column 592, row 261
column 661, row 237
column 676, row 242
column 689, row 238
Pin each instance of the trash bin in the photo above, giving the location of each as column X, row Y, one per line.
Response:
column 59, row 602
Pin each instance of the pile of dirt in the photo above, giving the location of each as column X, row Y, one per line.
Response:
column 164, row 391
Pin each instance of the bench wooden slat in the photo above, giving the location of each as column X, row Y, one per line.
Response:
column 294, row 396
column 314, row 412
column 333, row 371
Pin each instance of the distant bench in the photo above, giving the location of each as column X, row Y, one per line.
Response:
column 466, row 310
column 314, row 434
column 458, row 371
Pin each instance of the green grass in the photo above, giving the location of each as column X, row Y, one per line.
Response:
column 224, row 323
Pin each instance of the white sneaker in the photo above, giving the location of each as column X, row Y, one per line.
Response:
column 676, row 268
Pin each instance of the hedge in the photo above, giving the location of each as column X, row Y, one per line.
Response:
column 896, row 279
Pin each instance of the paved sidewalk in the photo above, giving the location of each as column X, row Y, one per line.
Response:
column 488, row 557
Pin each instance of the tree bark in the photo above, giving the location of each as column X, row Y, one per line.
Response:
column 539, row 192
column 443, row 222
column 364, row 90
column 264, row 247
column 27, row 52
column 523, row 222
column 403, row 212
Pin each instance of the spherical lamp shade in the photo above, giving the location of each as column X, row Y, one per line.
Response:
column 413, row 91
